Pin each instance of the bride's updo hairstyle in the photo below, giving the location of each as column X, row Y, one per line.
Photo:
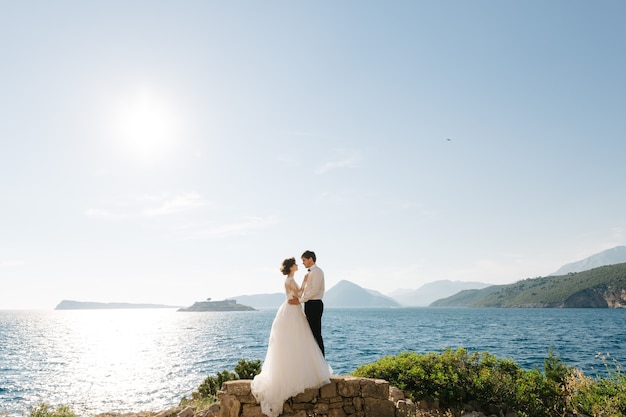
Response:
column 287, row 264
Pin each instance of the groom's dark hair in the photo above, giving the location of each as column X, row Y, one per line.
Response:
column 309, row 254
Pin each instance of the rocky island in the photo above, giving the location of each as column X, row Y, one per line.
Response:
column 225, row 305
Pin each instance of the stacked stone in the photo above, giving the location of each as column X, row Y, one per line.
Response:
column 343, row 397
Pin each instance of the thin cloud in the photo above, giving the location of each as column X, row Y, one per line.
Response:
column 9, row 264
column 96, row 213
column 175, row 204
column 417, row 207
column 344, row 159
column 241, row 228
column 147, row 206
column 304, row 134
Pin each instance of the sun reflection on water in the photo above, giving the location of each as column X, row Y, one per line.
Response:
column 116, row 352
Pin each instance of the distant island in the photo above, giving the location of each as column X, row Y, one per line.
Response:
column 90, row 305
column 225, row 305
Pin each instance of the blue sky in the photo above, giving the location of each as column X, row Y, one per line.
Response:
column 167, row 152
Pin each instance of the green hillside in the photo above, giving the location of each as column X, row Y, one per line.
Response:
column 598, row 287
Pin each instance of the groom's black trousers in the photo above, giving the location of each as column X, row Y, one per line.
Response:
column 313, row 309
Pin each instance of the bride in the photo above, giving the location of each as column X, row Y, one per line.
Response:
column 294, row 361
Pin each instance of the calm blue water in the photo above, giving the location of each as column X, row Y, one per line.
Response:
column 132, row 360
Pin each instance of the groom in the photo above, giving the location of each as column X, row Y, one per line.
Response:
column 312, row 294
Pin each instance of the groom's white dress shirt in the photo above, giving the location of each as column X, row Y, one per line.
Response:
column 314, row 287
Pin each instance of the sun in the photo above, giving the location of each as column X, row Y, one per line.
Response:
column 146, row 126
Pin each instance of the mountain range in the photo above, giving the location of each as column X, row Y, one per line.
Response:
column 432, row 291
column 349, row 294
column 343, row 294
column 616, row 255
column 442, row 292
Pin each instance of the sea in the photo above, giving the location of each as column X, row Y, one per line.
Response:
column 98, row 361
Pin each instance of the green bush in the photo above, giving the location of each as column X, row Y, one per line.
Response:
column 453, row 377
column 209, row 387
column 457, row 378
column 538, row 396
column 604, row 396
column 44, row 410
column 555, row 369
column 248, row 369
column 243, row 370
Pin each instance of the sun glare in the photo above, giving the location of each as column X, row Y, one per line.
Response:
column 146, row 127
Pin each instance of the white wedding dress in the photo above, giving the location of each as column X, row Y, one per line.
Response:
column 294, row 361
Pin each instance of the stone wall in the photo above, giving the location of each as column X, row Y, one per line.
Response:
column 343, row 397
